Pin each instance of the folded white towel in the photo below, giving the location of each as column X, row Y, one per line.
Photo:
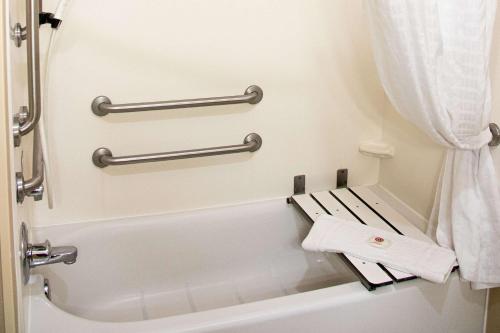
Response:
column 426, row 260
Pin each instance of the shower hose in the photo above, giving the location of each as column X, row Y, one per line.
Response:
column 43, row 125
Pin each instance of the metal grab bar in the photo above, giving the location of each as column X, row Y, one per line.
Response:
column 103, row 157
column 29, row 121
column 32, row 187
column 102, row 105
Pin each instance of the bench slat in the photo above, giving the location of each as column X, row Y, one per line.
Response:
column 370, row 274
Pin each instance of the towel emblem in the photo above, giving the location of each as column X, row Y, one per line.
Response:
column 379, row 242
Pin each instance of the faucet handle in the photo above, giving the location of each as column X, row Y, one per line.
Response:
column 38, row 254
column 37, row 193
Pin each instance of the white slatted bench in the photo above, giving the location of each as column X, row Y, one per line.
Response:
column 361, row 205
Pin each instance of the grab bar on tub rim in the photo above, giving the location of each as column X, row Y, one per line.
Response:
column 102, row 105
column 28, row 117
column 103, row 157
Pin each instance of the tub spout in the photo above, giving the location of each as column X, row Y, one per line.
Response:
column 45, row 254
column 65, row 254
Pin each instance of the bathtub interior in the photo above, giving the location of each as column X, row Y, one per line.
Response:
column 153, row 267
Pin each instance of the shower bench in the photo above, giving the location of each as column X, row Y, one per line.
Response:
column 363, row 205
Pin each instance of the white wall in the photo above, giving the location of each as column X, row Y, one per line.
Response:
column 412, row 174
column 312, row 59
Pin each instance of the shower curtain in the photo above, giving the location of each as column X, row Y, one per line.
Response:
column 433, row 61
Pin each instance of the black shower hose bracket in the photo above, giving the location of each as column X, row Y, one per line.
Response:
column 48, row 18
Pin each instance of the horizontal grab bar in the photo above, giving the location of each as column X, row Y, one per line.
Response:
column 103, row 157
column 102, row 105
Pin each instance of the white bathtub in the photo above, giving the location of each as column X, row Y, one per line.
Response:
column 236, row 269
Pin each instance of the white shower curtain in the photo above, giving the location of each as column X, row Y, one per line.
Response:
column 433, row 61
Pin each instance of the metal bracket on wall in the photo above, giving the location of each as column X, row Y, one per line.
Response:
column 299, row 184
column 342, row 176
column 299, row 187
column 48, row 18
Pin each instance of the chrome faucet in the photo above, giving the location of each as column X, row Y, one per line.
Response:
column 34, row 255
column 45, row 254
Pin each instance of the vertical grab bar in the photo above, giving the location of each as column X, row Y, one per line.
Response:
column 33, row 48
column 28, row 117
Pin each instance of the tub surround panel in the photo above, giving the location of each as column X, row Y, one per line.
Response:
column 312, row 59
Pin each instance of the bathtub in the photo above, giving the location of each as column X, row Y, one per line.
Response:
column 233, row 269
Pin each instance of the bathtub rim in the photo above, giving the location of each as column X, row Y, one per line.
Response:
column 166, row 214
column 265, row 310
